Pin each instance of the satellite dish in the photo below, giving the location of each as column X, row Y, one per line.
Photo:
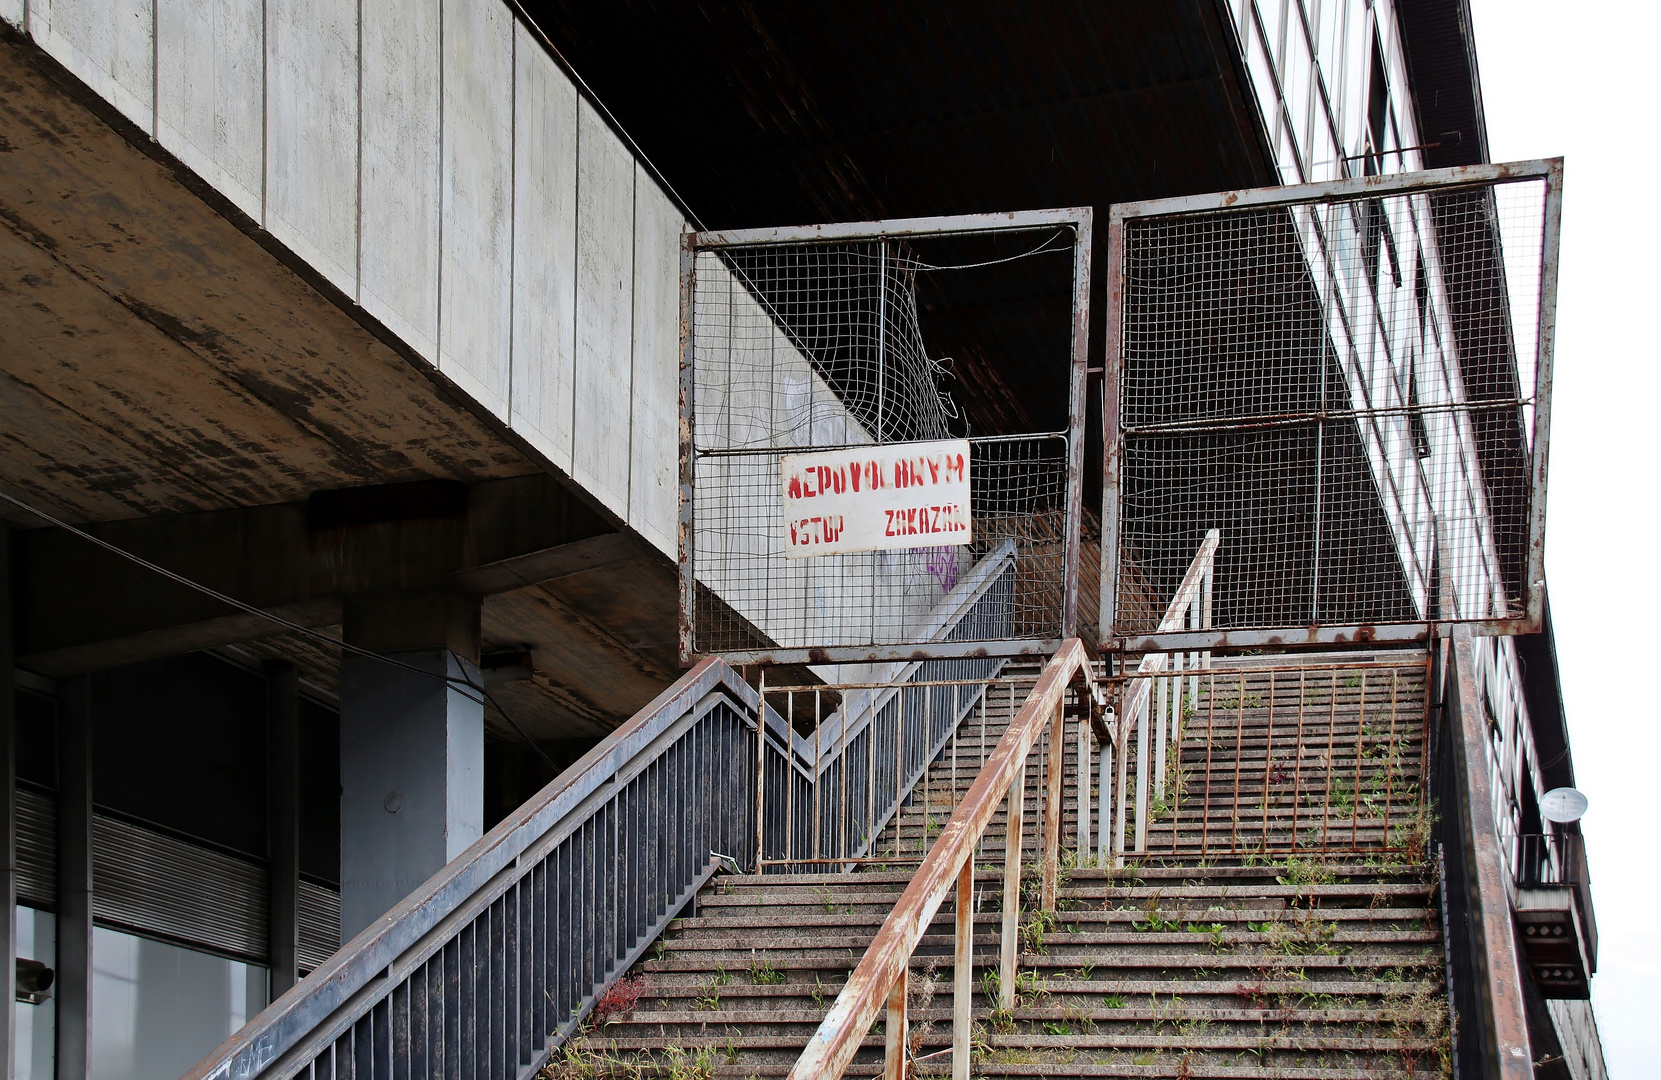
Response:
column 1563, row 805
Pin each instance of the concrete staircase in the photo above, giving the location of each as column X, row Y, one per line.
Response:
column 1238, row 964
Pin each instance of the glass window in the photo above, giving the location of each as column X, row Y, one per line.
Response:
column 158, row 1009
column 37, row 939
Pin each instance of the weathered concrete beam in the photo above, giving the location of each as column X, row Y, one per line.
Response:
column 80, row 608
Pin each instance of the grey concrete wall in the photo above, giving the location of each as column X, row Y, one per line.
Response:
column 430, row 159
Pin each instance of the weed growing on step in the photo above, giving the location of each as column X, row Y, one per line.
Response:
column 1030, row 987
column 1114, row 1001
column 1058, row 1029
column 763, row 973
column 1032, row 934
column 687, row 1064
column 818, row 994
column 721, row 977
column 1303, row 873
column 660, row 950
column 708, row 1003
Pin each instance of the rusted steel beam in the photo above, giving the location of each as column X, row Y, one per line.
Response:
column 883, row 967
column 1077, row 218
column 1359, row 187
column 1500, row 993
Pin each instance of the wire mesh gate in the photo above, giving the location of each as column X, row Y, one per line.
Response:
column 1352, row 381
column 810, row 341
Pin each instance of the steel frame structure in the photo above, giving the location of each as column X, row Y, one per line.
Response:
column 1549, row 170
column 1077, row 219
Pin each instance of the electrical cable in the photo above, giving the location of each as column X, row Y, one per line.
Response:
column 287, row 624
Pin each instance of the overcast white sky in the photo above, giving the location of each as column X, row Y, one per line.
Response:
column 1573, row 80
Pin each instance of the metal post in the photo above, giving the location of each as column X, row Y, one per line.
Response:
column 282, row 727
column 1052, row 811
column 761, row 765
column 1142, row 774
column 895, row 1030
column 1162, row 732
column 963, row 971
column 899, row 767
column 1081, row 770
column 882, row 332
column 1104, row 796
column 8, row 813
column 1124, row 791
column 74, row 975
column 1007, row 941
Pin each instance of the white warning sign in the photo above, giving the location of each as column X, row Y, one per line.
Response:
column 872, row 498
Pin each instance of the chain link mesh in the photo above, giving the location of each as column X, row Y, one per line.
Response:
column 1343, row 387
column 819, row 346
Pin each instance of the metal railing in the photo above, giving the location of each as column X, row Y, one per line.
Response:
column 824, row 797
column 1152, row 699
column 880, row 980
column 500, row 956
column 1319, row 757
column 502, row 953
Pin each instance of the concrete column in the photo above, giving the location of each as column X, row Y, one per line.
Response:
column 411, row 750
column 8, row 815
column 73, row 986
column 282, row 803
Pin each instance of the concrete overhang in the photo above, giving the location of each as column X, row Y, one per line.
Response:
column 181, row 384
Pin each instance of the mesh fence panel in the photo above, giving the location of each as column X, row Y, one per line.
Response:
column 1343, row 387
column 819, row 346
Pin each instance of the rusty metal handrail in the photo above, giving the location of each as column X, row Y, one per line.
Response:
column 880, row 977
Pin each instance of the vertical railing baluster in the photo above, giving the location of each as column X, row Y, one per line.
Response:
column 1142, row 773
column 1122, row 786
column 1390, row 756
column 1268, row 756
column 1239, row 754
column 1297, row 761
column 761, row 768
column 1161, row 733
column 963, row 964
column 1210, row 728
column 1081, row 774
column 1104, row 794
column 1009, row 930
column 1055, row 747
column 1355, row 792
column 896, row 1030
column 1331, row 763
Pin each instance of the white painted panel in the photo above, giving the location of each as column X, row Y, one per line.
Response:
column 311, row 185
column 605, row 284
column 210, row 105
column 108, row 44
column 544, row 251
column 400, row 148
column 11, row 12
column 654, row 433
column 475, row 293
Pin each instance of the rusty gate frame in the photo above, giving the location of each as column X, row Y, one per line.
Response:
column 1550, row 170
column 1080, row 220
